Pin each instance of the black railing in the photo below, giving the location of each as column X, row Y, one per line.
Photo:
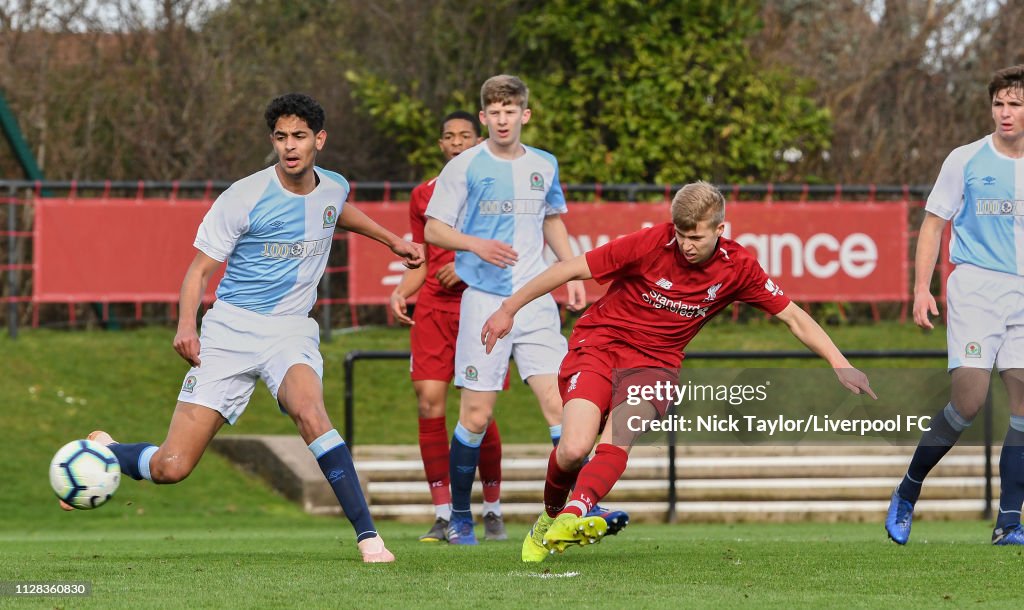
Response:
column 352, row 357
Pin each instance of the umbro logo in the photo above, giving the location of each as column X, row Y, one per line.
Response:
column 988, row 180
column 277, row 224
column 465, row 469
column 663, row 283
column 334, row 475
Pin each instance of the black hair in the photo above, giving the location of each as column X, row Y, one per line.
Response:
column 465, row 116
column 295, row 104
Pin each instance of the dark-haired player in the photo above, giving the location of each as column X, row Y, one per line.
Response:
column 274, row 230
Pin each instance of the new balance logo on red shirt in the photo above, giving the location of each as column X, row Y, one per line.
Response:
column 663, row 283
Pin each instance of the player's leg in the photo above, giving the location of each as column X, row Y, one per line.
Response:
column 975, row 330
column 581, row 421
column 475, row 411
column 431, row 398
column 969, row 388
column 432, row 343
column 190, row 432
column 490, row 479
column 480, row 375
column 1008, row 530
column 300, row 393
column 1010, row 362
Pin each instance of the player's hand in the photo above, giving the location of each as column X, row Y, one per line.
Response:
column 577, row 295
column 447, row 276
column 496, row 327
column 495, row 252
column 398, row 308
column 411, row 252
column 924, row 303
column 855, row 381
column 186, row 343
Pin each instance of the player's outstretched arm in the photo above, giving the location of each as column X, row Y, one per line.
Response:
column 412, row 280
column 817, row 340
column 354, row 220
column 500, row 322
column 557, row 236
column 193, row 286
column 928, row 240
column 492, row 251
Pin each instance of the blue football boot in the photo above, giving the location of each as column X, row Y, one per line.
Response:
column 899, row 518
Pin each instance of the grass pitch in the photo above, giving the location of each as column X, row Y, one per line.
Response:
column 221, row 539
column 296, row 561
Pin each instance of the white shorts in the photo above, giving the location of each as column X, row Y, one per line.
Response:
column 237, row 347
column 985, row 319
column 536, row 342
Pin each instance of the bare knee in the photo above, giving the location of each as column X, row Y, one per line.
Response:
column 431, row 398
column 475, row 410
column 169, row 469
column 571, row 453
column 311, row 420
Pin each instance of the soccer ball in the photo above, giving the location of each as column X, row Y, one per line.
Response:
column 84, row 474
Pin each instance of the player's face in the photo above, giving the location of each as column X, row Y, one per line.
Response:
column 296, row 145
column 698, row 244
column 458, row 135
column 1008, row 114
column 504, row 123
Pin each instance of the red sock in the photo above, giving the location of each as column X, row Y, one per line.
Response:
column 490, row 463
column 434, row 450
column 557, row 485
column 597, row 478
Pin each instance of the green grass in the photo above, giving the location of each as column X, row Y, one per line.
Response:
column 297, row 561
column 59, row 385
column 222, row 539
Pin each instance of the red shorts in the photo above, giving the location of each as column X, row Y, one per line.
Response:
column 432, row 343
column 610, row 375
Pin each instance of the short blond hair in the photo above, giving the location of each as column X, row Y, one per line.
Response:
column 504, row 89
column 695, row 202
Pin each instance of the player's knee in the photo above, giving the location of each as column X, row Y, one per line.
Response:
column 430, row 406
column 571, row 453
column 168, row 471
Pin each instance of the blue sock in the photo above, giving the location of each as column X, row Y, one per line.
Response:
column 463, row 460
column 335, row 461
column 946, row 426
column 134, row 458
column 1011, row 474
column 556, row 434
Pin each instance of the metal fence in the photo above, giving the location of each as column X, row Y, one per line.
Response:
column 351, row 358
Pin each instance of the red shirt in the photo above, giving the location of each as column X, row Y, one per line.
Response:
column 432, row 294
column 658, row 301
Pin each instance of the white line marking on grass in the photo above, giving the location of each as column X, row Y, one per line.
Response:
column 553, row 575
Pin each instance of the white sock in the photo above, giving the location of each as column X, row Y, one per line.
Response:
column 443, row 511
column 492, row 507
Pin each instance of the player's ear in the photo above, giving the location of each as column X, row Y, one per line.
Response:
column 321, row 139
column 720, row 229
column 526, row 115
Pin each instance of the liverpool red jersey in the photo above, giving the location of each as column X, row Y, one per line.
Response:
column 658, row 300
column 432, row 294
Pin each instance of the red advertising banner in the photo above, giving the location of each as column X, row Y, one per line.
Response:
column 110, row 250
column 842, row 251
column 114, row 250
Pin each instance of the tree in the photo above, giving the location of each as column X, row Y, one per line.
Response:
column 652, row 91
